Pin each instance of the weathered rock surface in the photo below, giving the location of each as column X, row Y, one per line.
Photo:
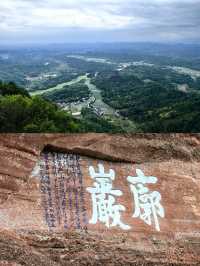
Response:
column 46, row 207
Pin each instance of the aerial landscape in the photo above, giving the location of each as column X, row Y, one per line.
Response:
column 147, row 88
column 132, row 67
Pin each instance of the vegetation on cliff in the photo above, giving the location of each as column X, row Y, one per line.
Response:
column 21, row 113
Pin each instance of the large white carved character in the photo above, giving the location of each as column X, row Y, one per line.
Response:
column 103, row 199
column 147, row 204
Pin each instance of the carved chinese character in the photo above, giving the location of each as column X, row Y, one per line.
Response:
column 103, row 199
column 147, row 203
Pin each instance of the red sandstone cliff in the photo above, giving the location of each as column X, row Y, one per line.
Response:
column 42, row 229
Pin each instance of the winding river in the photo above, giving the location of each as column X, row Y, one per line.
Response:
column 60, row 86
column 97, row 104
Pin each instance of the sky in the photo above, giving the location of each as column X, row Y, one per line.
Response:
column 60, row 21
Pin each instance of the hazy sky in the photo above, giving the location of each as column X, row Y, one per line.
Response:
column 99, row 20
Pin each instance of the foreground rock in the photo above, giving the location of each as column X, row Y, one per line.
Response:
column 99, row 199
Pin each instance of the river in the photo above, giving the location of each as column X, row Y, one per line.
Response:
column 59, row 86
column 98, row 104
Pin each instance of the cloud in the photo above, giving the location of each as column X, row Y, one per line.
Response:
column 155, row 20
column 20, row 14
column 86, row 18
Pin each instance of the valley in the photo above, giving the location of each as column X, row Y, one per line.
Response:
column 135, row 90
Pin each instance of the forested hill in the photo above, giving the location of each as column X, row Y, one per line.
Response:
column 19, row 112
column 156, row 105
column 153, row 106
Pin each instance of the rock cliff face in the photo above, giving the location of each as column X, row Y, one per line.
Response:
column 98, row 199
